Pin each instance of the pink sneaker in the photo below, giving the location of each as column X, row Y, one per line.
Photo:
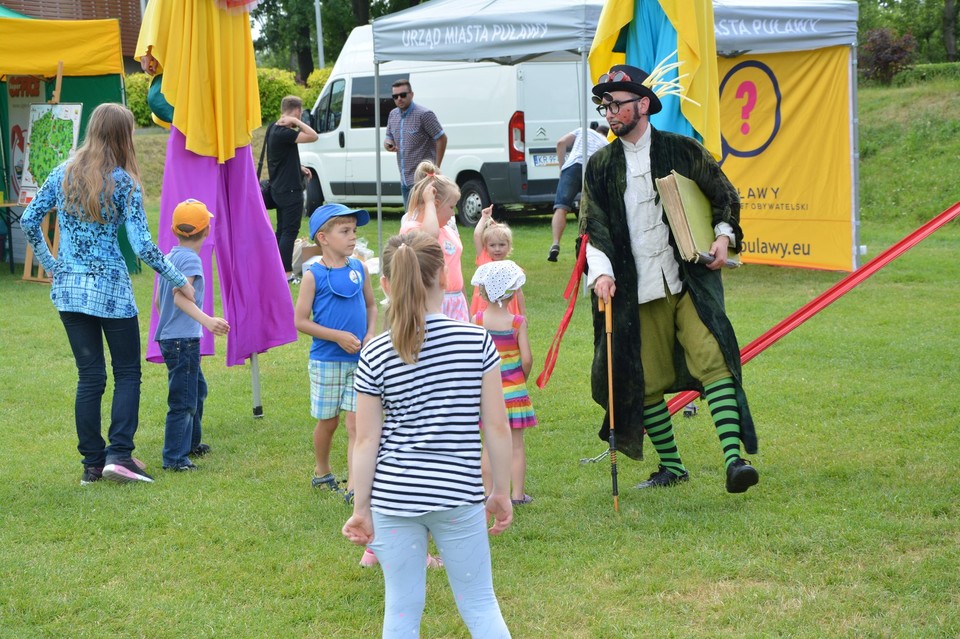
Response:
column 369, row 560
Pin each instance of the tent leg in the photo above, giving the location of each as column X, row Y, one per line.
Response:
column 255, row 378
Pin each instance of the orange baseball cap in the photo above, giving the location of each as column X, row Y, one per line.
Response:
column 190, row 217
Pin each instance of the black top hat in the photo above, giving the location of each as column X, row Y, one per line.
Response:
column 623, row 77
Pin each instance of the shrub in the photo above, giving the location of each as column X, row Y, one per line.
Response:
column 882, row 54
column 275, row 84
column 926, row 73
column 136, row 87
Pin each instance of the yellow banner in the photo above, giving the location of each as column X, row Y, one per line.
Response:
column 786, row 126
column 35, row 47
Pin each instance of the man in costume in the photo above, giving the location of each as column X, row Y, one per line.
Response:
column 669, row 323
column 204, row 51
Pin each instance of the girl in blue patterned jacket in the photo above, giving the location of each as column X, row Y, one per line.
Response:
column 94, row 194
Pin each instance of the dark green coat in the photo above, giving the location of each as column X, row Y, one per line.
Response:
column 604, row 219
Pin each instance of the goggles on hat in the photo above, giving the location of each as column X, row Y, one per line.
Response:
column 614, row 76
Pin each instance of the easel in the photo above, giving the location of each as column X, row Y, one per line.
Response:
column 42, row 275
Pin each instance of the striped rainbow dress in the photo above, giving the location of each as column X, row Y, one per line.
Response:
column 519, row 408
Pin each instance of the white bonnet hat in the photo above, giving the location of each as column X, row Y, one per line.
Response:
column 499, row 279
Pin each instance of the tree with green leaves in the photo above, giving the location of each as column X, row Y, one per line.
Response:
column 287, row 30
column 931, row 23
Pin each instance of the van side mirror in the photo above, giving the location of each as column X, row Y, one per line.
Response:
column 307, row 118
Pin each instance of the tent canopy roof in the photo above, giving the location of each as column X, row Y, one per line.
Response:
column 34, row 47
column 759, row 26
column 504, row 31
column 511, row 31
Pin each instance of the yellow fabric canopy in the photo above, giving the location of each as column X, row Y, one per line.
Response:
column 34, row 47
column 696, row 49
column 209, row 72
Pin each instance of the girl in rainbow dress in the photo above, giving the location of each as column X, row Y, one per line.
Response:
column 499, row 282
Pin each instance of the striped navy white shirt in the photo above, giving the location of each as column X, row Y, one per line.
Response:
column 429, row 455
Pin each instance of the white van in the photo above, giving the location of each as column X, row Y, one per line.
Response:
column 502, row 124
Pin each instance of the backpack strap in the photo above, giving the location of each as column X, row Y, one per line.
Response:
column 263, row 150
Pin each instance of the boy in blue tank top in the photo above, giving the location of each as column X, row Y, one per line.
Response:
column 337, row 308
column 178, row 335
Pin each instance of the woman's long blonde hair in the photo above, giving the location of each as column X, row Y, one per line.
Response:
column 411, row 264
column 88, row 182
column 428, row 173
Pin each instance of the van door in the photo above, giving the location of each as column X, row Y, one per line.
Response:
column 327, row 156
column 361, row 158
column 552, row 97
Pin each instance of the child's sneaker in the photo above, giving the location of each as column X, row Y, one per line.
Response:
column 348, row 497
column 369, row 560
column 91, row 474
column 181, row 467
column 327, row 482
column 125, row 471
column 199, row 451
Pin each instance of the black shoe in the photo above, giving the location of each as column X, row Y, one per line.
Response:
column 91, row 474
column 554, row 252
column 199, row 451
column 663, row 478
column 740, row 476
column 182, row 467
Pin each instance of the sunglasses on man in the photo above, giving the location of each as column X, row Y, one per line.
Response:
column 400, row 96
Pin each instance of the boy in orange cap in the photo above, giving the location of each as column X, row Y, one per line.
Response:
column 178, row 335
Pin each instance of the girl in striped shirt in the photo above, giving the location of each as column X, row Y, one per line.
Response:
column 422, row 388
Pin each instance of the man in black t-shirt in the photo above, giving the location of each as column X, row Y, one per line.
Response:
column 283, row 165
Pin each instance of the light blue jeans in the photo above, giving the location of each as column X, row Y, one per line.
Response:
column 400, row 544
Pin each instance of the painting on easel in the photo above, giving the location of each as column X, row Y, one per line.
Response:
column 52, row 138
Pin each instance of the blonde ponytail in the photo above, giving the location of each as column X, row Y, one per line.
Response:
column 411, row 264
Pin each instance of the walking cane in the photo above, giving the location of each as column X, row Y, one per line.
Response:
column 607, row 310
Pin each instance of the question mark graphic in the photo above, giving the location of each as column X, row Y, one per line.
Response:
column 748, row 89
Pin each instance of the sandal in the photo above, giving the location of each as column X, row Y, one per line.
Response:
column 327, row 482
column 522, row 502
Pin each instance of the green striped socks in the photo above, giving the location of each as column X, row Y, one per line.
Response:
column 722, row 399
column 659, row 427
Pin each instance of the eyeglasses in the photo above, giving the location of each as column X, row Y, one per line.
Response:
column 614, row 106
column 614, row 76
column 398, row 96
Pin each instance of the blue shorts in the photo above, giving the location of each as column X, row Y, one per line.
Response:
column 571, row 180
column 331, row 388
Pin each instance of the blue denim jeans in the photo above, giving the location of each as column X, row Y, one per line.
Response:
column 186, row 390
column 86, row 334
column 571, row 181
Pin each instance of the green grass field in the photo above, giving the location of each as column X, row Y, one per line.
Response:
column 853, row 530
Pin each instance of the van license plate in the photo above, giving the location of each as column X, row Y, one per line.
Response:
column 545, row 159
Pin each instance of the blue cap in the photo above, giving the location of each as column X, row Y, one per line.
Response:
column 324, row 213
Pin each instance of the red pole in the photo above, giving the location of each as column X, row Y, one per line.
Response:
column 827, row 298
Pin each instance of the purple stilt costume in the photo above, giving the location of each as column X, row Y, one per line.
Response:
column 253, row 287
